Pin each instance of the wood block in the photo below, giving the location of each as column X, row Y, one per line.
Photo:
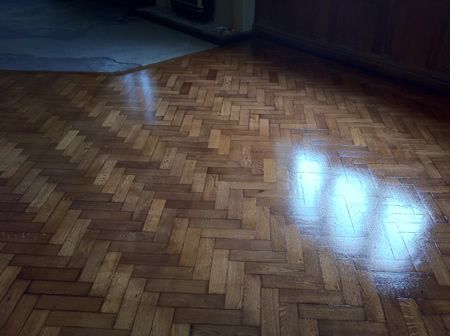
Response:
column 219, row 269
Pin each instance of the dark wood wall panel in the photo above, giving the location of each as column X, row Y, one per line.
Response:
column 357, row 13
column 308, row 18
column 418, row 31
column 444, row 55
column 314, row 18
column 410, row 37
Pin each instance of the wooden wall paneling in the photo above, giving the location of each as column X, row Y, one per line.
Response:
column 308, row 18
column 262, row 12
column 288, row 16
column 332, row 22
column 440, row 38
column 271, row 13
column 418, row 26
column 402, row 38
column 443, row 58
column 315, row 19
column 356, row 23
column 383, row 27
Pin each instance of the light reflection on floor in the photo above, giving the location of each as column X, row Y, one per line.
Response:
column 382, row 225
column 138, row 88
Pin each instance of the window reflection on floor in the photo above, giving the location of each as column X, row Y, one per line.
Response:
column 375, row 222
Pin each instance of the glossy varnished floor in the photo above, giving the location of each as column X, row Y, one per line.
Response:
column 246, row 190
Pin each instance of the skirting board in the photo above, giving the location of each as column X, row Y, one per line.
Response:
column 437, row 81
column 188, row 27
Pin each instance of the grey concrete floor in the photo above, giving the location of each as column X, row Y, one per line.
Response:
column 93, row 36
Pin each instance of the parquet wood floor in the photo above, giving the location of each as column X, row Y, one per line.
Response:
column 247, row 190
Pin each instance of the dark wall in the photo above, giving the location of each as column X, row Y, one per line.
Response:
column 406, row 38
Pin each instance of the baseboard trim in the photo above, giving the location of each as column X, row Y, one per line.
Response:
column 191, row 29
column 437, row 81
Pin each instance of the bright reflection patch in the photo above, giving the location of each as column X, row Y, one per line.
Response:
column 356, row 214
column 139, row 93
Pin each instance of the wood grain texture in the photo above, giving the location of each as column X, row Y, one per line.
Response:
column 246, row 190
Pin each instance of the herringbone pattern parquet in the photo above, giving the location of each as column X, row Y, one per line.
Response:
column 243, row 191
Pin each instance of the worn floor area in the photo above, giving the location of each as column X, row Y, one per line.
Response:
column 86, row 36
column 246, row 190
